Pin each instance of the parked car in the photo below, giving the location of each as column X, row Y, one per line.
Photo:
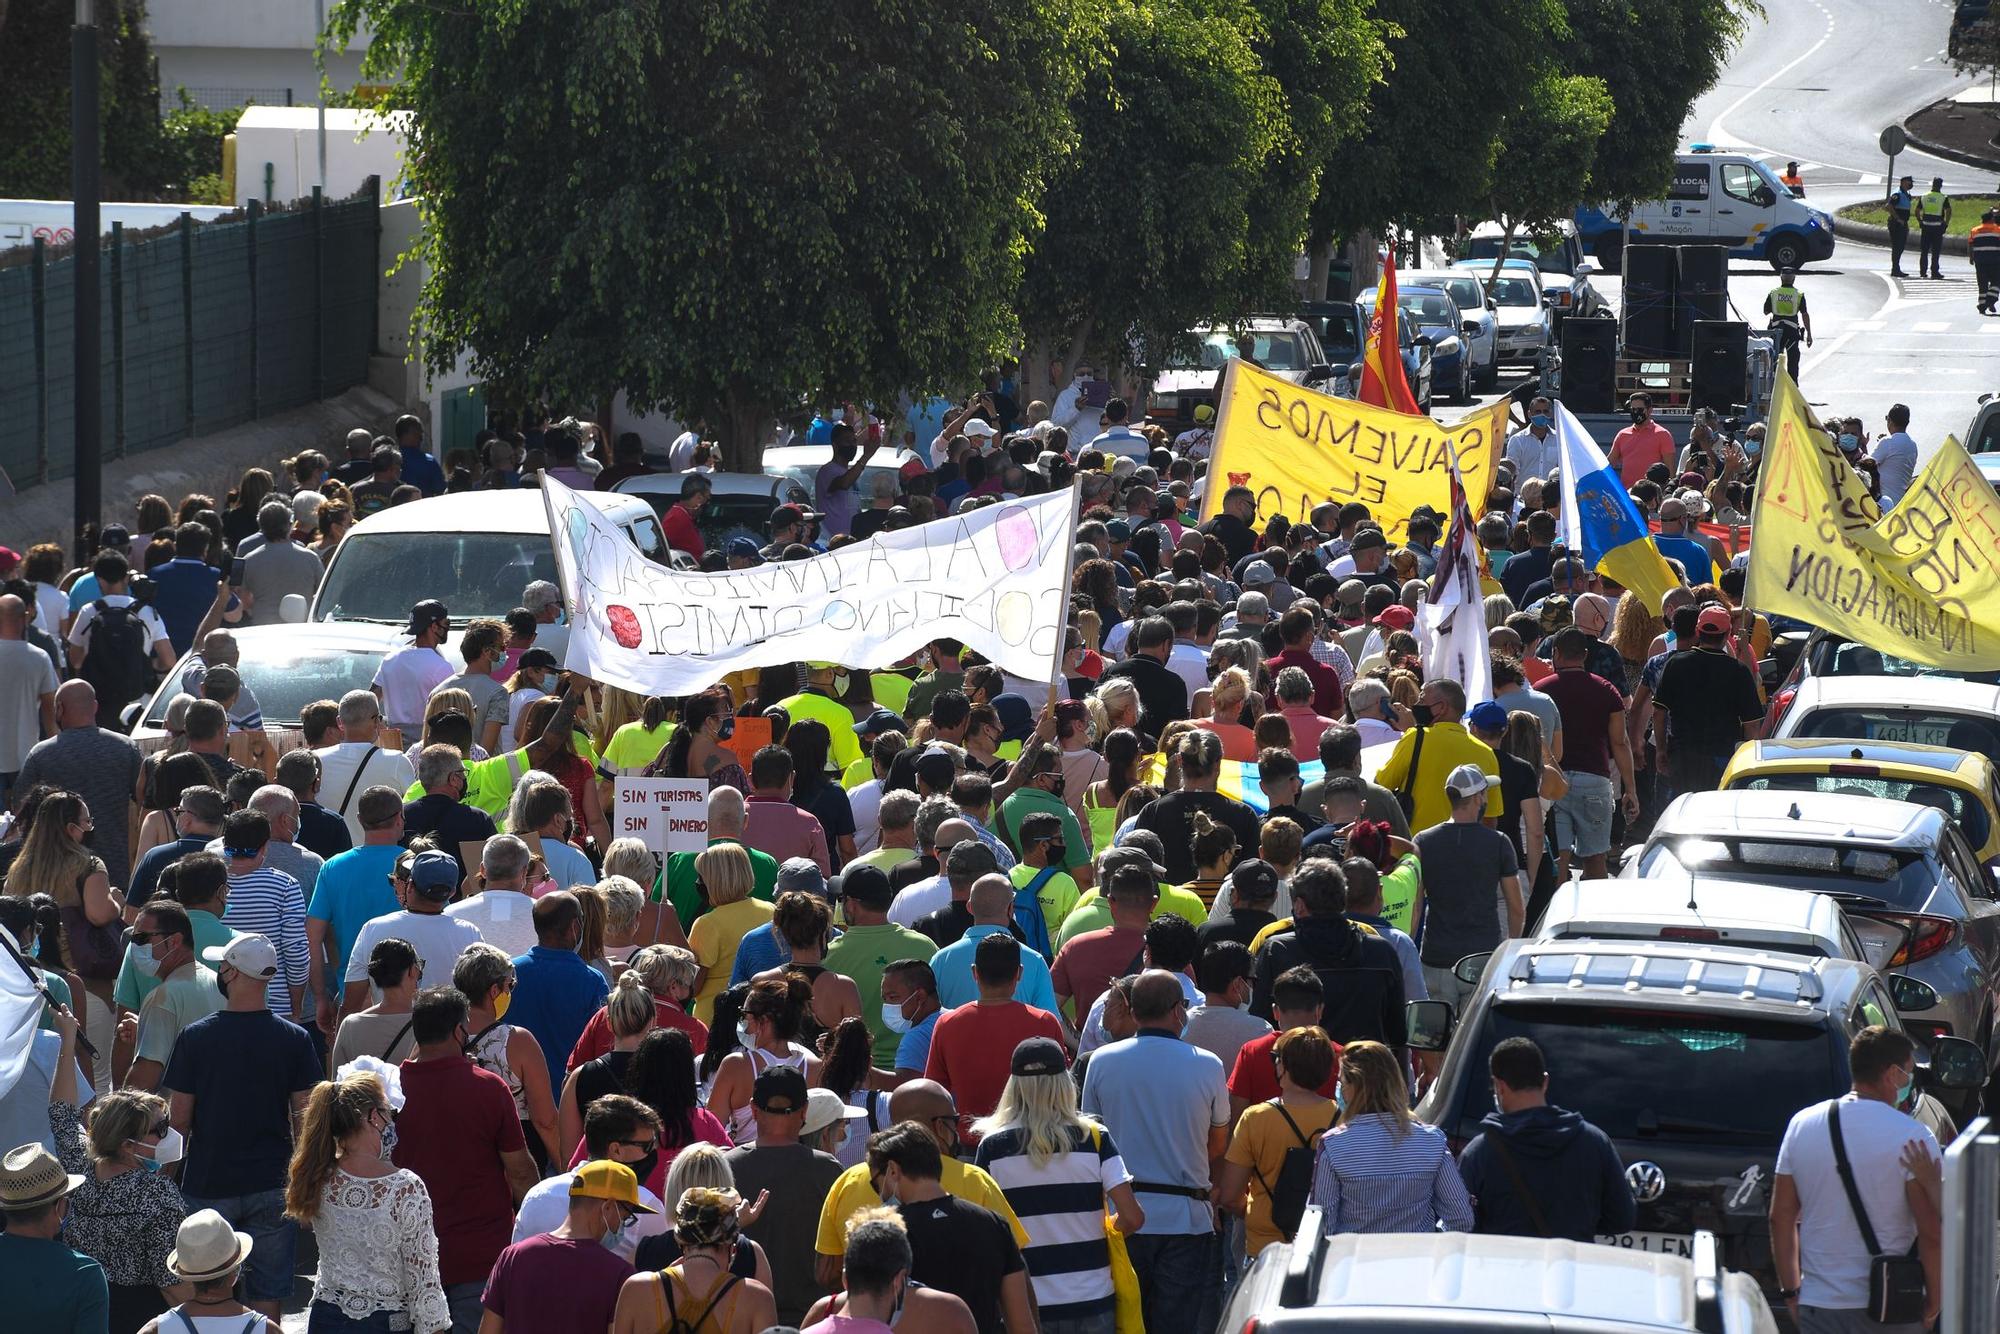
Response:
column 1559, row 256
column 1826, row 653
column 1961, row 782
column 1434, row 315
column 739, row 505
column 1702, row 911
column 1465, row 1283
column 286, row 667
column 1526, row 327
column 801, row 463
column 1963, row 715
column 1890, row 860
column 1285, row 345
column 1480, row 327
column 474, row 551
column 1691, row 1058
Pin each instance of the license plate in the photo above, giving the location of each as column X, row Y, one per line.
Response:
column 1909, row 733
column 1653, row 1243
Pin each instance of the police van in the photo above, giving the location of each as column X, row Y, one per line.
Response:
column 1716, row 198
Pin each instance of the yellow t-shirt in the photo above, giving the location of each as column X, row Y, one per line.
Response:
column 851, row 1193
column 634, row 746
column 1446, row 746
column 1092, row 912
column 1058, row 895
column 839, row 720
column 1260, row 1143
column 857, row 773
column 714, row 938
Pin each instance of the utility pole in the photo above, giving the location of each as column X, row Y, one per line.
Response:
column 83, row 170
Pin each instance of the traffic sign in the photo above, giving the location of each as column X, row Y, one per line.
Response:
column 1894, row 140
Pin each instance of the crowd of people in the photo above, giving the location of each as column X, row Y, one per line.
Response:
column 987, row 1005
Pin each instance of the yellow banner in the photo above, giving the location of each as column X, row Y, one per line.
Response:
column 1921, row 582
column 1297, row 448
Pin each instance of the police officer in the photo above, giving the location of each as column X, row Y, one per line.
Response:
column 1786, row 305
column 1793, row 181
column 1933, row 217
column 1984, row 245
column 1900, row 204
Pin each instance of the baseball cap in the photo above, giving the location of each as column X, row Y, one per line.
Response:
column 912, row 468
column 435, row 875
column 114, row 537
column 1368, row 538
column 1396, row 616
column 247, row 953
column 743, row 548
column 780, row 1090
column 606, row 1180
column 1204, row 413
column 1695, row 502
column 1037, row 1056
column 786, row 514
column 801, row 874
column 1118, row 530
column 1488, row 716
column 1713, row 623
column 1254, row 878
column 978, row 426
column 1259, row 573
column 1351, row 593
column 824, row 1107
column 937, row 769
column 1466, row 780
column 1017, row 716
column 538, row 657
column 425, row 614
column 878, row 722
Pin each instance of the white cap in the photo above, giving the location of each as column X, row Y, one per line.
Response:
column 247, row 953
column 823, row 1108
column 1465, row 781
column 978, row 426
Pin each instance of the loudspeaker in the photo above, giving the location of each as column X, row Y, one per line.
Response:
column 1721, row 351
column 1701, row 288
column 1589, row 364
column 1649, row 302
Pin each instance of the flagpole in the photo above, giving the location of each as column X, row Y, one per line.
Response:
column 1211, row 498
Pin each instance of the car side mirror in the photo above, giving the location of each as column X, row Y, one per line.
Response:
column 1956, row 1064
column 1425, row 340
column 292, row 608
column 1338, row 371
column 1471, row 968
column 1586, row 268
column 1318, row 372
column 1911, row 995
column 1491, row 304
column 1469, row 328
column 1430, row 1023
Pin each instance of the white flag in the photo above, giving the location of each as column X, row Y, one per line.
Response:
column 994, row 578
column 1454, row 614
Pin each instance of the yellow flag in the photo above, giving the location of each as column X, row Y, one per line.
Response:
column 1921, row 582
column 1296, row 448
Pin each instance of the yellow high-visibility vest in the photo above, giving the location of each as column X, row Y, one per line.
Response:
column 1931, row 206
column 1785, row 302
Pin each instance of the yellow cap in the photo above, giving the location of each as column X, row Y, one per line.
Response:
column 603, row 1179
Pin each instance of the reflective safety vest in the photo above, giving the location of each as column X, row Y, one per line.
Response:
column 1785, row 302
column 1984, row 241
column 1796, row 184
column 1931, row 207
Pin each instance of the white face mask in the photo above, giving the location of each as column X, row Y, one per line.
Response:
column 894, row 1019
column 147, row 960
column 170, row 1149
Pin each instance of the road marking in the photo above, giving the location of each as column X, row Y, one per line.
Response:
column 1718, row 132
column 1930, row 326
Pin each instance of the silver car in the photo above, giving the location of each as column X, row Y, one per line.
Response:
column 1890, row 861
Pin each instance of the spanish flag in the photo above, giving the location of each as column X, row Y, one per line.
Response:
column 1383, row 383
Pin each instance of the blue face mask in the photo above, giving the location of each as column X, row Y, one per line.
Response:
column 1340, row 1097
column 1850, row 442
column 1753, row 447
column 1541, row 419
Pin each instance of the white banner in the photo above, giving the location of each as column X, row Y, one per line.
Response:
column 994, row 578
column 666, row 814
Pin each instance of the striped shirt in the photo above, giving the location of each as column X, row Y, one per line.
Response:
column 1369, row 1178
column 1061, row 1203
column 271, row 904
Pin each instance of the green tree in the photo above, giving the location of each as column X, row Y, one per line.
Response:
column 719, row 207
column 1547, row 147
column 35, row 108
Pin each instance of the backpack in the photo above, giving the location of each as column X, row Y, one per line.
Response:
column 1288, row 1197
column 118, row 660
column 1028, row 915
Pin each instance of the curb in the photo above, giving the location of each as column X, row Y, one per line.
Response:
column 1922, row 144
column 1868, row 234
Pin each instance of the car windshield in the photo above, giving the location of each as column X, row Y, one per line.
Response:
column 1511, row 291
column 285, row 682
column 1427, row 309
column 1840, row 657
column 1923, row 727
column 474, row 574
column 1463, row 291
column 1339, row 331
column 1276, row 351
column 1898, row 877
column 1668, row 1075
column 1548, row 261
column 1961, row 805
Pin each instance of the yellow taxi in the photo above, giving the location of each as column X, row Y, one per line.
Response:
column 1956, row 781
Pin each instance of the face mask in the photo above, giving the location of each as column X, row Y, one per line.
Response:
column 1540, row 419
column 642, row 1167
column 1849, row 442
column 500, row 1004
column 727, row 730
column 1340, row 1097
column 1907, row 1092
column 743, row 1035
column 1753, row 447
column 168, row 1151
column 840, row 683
column 894, row 1019
column 89, row 839
column 1056, row 852
column 388, row 1140
column 1638, row 415
column 222, row 984
column 147, row 961
column 1422, row 713
column 614, row 1230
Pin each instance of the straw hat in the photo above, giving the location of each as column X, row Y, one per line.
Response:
column 31, row 1176
column 207, row 1248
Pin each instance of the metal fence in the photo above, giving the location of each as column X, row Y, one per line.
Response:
column 206, row 326
column 1971, row 1234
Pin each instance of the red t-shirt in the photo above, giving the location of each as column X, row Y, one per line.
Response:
column 1085, row 967
column 1327, row 694
column 1587, row 703
column 456, row 1122
column 596, row 1037
column 1254, row 1077
column 678, row 527
column 1639, row 446
column 548, row 1282
column 972, row 1048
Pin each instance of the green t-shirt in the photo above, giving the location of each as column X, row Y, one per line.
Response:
column 58, row 992
column 891, row 691
column 1058, row 895
column 861, row 953
column 133, row 986
column 1093, row 913
column 1025, row 801
column 1399, row 891
column 857, row 773
column 685, row 894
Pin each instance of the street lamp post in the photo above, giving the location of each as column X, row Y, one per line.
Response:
column 83, row 129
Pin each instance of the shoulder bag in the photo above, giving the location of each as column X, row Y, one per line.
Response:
column 1895, row 1282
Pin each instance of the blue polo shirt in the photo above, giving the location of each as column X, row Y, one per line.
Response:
column 184, row 590
column 555, row 994
column 1159, row 1097
column 955, row 984
column 352, row 888
column 421, row 470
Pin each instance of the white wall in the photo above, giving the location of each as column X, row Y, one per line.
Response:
column 401, row 374
column 259, row 46
column 359, row 144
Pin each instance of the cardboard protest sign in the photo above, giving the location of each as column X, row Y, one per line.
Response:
column 994, row 578
column 666, row 814
column 1297, row 448
column 750, row 736
column 1921, row 582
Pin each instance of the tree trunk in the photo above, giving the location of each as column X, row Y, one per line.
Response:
column 1319, row 266
column 1506, row 241
column 743, row 424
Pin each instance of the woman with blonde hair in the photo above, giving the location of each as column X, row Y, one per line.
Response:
column 658, row 923
column 724, row 870
column 1379, row 1169
column 669, row 972
column 486, row 976
column 378, row 1250
column 125, row 1213
column 623, row 903
column 56, row 860
column 544, row 806
column 1036, row 1143
column 705, row 1167
column 1226, row 695
column 629, row 1009
column 1633, row 630
column 700, row 1291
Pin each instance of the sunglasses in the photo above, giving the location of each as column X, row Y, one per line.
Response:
column 642, row 1145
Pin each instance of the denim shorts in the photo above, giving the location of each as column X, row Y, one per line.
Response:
column 267, row 1276
column 1583, row 815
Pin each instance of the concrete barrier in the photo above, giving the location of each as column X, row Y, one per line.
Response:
column 1866, row 234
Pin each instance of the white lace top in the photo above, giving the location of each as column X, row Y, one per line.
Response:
column 378, row 1251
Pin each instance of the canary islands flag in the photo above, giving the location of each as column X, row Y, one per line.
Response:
column 1601, row 521
column 1383, row 383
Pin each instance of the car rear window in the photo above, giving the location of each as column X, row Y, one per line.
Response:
column 474, row 574
column 1915, row 726
column 1902, row 879
column 1838, row 657
column 1961, row 805
column 1670, row 1075
column 1513, row 292
column 285, row 682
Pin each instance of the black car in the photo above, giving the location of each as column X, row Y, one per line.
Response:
column 1693, row 1059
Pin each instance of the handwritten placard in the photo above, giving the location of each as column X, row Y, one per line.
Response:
column 666, row 814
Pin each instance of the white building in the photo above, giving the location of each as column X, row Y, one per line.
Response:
column 277, row 152
column 228, row 52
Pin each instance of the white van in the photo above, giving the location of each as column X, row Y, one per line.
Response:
column 1717, row 198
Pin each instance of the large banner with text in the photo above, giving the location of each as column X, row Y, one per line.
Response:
column 992, row 577
column 1296, row 448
